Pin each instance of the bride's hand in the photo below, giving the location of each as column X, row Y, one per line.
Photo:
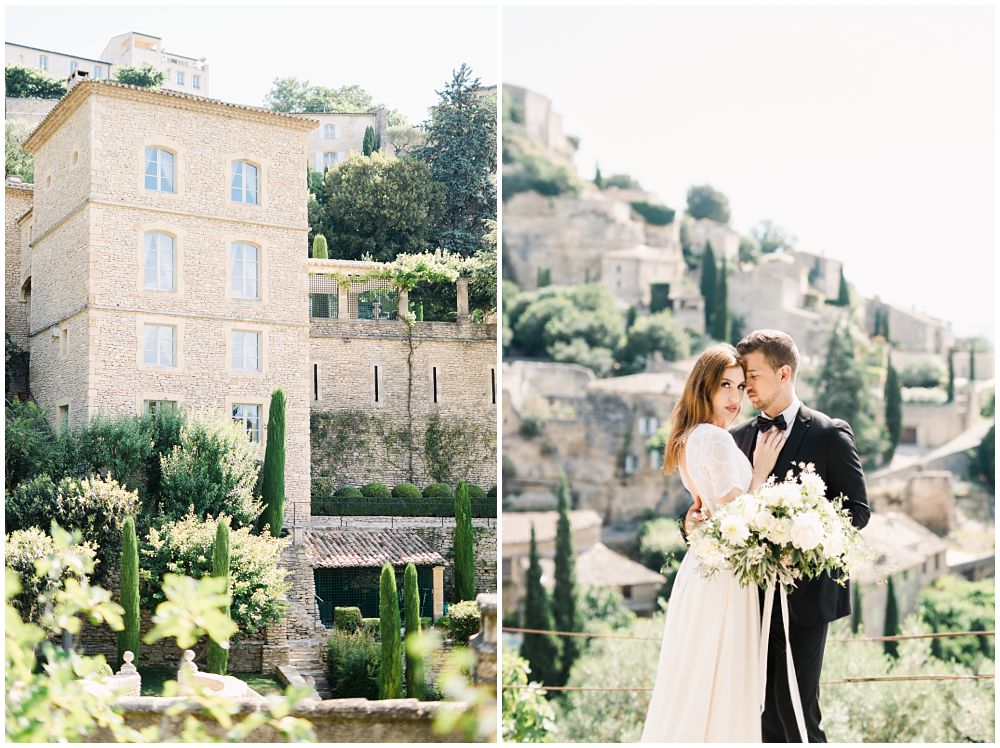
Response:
column 765, row 455
column 694, row 516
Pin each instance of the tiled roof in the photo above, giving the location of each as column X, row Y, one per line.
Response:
column 340, row 549
column 601, row 565
column 517, row 525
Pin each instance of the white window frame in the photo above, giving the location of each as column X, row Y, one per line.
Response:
column 631, row 464
column 98, row 72
column 196, row 81
column 239, row 350
column 180, row 78
column 73, row 66
column 43, row 64
column 239, row 188
column 164, row 163
column 158, row 335
column 246, row 419
column 329, row 163
column 656, row 459
column 156, row 252
column 240, row 283
column 329, row 131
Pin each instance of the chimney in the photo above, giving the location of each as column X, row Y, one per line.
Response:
column 75, row 77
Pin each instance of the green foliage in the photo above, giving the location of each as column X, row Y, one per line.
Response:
column 17, row 161
column 956, row 604
column 218, row 652
column 22, row 552
column 347, row 618
column 843, row 294
column 319, row 248
column 857, row 619
column 771, row 238
column 893, row 396
column 529, row 168
column 652, row 213
column 662, row 548
column 258, row 583
column 213, row 469
column 439, row 491
column 921, row 374
column 722, row 322
column 709, row 284
column 377, row 206
column 292, row 95
column 23, row 82
column 273, row 473
column 368, row 145
column 565, row 591
column 528, row 717
column 603, row 607
column 749, row 250
column 461, row 621
column 406, row 491
column 475, row 492
column 891, row 625
column 622, row 182
column 128, row 638
column 144, row 77
column 414, row 660
column 985, row 461
column 95, row 506
column 29, row 445
column 653, row 333
column 542, row 651
column 391, row 667
column 460, row 149
column 371, row 625
column 465, row 562
column 376, row 491
column 659, row 297
column 598, row 178
column 703, row 201
column 349, row 492
column 324, row 503
column 352, row 661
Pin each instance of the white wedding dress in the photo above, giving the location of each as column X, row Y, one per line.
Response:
column 709, row 681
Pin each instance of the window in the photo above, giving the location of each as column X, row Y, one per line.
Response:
column 493, row 386
column 244, row 186
column 196, row 82
column 180, row 77
column 376, row 384
column 329, row 132
column 627, row 591
column 43, row 64
column 631, row 463
column 158, row 345
column 329, row 159
column 245, row 272
column 73, row 66
column 155, row 407
column 246, row 351
column 249, row 416
column 656, row 459
column 315, row 381
column 98, row 72
column 648, row 426
column 158, row 262
column 63, row 417
column 159, row 169
column 434, row 383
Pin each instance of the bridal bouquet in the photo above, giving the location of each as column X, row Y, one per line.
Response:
column 783, row 532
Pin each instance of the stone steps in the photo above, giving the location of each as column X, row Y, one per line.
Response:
column 304, row 656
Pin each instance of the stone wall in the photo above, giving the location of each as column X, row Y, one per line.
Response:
column 28, row 111
column 17, row 201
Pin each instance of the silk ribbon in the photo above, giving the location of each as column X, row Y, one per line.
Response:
column 765, row 631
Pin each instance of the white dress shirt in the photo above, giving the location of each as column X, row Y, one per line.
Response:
column 789, row 413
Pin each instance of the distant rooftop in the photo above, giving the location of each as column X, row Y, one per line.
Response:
column 344, row 549
column 517, row 525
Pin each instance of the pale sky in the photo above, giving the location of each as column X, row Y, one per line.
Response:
column 400, row 55
column 867, row 132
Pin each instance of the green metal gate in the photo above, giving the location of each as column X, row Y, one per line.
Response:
column 358, row 587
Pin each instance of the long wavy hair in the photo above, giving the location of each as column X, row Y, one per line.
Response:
column 695, row 404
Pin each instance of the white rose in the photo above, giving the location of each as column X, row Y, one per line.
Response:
column 761, row 520
column 779, row 531
column 813, row 484
column 807, row 531
column 734, row 530
column 790, row 495
column 834, row 544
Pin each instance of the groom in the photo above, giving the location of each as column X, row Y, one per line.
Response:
column 772, row 361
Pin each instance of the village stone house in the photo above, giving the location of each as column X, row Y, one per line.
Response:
column 340, row 134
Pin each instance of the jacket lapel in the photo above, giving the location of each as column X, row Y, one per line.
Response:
column 745, row 436
column 803, row 419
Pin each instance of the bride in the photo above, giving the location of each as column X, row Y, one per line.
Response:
column 709, row 681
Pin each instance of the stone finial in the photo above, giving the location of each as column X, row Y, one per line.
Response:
column 128, row 668
column 462, row 292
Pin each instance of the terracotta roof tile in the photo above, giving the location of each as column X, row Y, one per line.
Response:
column 340, row 549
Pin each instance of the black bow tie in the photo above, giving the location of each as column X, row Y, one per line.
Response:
column 764, row 423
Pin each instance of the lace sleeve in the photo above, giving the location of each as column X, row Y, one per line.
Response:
column 720, row 466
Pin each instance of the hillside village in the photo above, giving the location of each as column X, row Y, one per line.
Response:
column 934, row 511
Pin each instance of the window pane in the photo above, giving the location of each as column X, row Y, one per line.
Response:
column 237, row 350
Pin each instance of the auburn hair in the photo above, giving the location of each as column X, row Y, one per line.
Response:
column 695, row 404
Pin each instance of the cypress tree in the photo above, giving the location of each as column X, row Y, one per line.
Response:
column 368, row 145
column 390, row 675
column 128, row 639
column 891, row 627
column 273, row 472
column 951, row 375
column 218, row 656
column 540, row 650
column 721, row 322
column 842, row 386
column 414, row 662
column 857, row 615
column 843, row 295
column 972, row 361
column 709, row 285
column 598, row 179
column 564, row 592
column 465, row 564
column 885, row 325
column 378, row 141
column 893, row 409
column 320, row 251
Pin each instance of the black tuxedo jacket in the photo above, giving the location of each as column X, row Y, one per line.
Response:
column 828, row 443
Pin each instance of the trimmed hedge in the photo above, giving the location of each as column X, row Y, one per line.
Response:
column 439, row 491
column 376, row 491
column 347, row 619
column 657, row 215
column 475, row 492
column 352, row 662
column 407, row 491
column 327, row 503
column 462, row 621
column 371, row 626
column 349, row 492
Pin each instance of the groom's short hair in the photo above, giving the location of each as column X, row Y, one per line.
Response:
column 778, row 348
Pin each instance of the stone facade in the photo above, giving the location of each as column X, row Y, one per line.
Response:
column 17, row 202
column 725, row 242
column 910, row 330
column 541, row 124
column 58, row 65
column 341, row 134
column 630, row 273
column 133, row 48
column 28, row 111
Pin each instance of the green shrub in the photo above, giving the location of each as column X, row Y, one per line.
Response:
column 492, row 492
column 348, row 492
column 955, row 604
column 94, row 506
column 439, row 491
column 371, row 625
column 23, row 82
column 23, row 548
column 662, row 548
column 352, row 662
column 462, row 621
column 657, row 215
column 376, row 491
column 213, row 469
column 391, row 667
column 406, row 491
column 475, row 492
column 29, row 445
column 258, row 583
column 320, row 488
column 347, row 618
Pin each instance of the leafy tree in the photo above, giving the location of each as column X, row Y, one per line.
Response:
column 461, row 152
column 368, row 145
column 709, row 285
column 391, row 669
column 952, row 604
column 273, row 473
column 622, row 182
column 23, row 549
column 598, row 179
column 893, row 410
column 721, row 321
column 23, row 82
column 951, row 375
column 659, row 297
column 652, row 213
column 528, row 717
column 843, row 294
column 17, row 161
column 771, row 238
column 704, row 201
column 128, row 638
column 465, row 563
column 218, row 652
column 542, row 651
column 857, row 613
column 319, row 249
column 377, row 206
column 661, row 549
column 749, row 249
column 29, row 444
column 144, row 77
column 651, row 333
column 293, row 95
column 414, row 660
column 564, row 593
column 891, row 627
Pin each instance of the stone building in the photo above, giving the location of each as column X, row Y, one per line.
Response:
column 340, row 134
column 631, row 273
column 911, row 330
column 58, row 65
column 725, row 242
column 541, row 124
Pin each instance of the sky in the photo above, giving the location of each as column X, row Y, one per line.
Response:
column 866, row 132
column 400, row 55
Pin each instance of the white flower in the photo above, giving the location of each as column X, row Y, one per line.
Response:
column 835, row 543
column 734, row 529
column 790, row 495
column 779, row 531
column 813, row 484
column 807, row 531
column 761, row 520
